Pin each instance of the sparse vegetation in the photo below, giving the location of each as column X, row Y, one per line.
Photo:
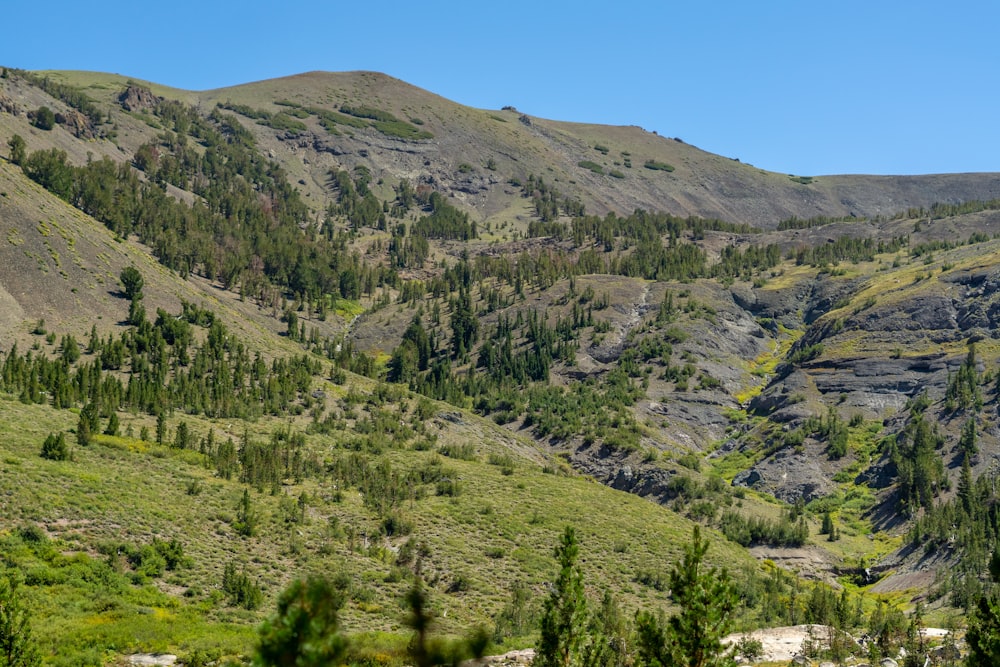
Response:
column 642, row 347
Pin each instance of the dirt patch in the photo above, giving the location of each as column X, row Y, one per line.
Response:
column 783, row 644
column 810, row 562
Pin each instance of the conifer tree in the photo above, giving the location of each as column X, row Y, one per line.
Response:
column 692, row 637
column 18, row 149
column 983, row 635
column 55, row 449
column 17, row 647
column 564, row 620
column 305, row 630
column 246, row 516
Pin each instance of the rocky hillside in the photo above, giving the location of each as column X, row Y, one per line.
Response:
column 767, row 354
column 474, row 155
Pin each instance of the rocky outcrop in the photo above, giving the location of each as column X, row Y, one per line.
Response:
column 8, row 105
column 790, row 474
column 137, row 98
column 79, row 125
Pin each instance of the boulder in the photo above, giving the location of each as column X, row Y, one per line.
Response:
column 137, row 98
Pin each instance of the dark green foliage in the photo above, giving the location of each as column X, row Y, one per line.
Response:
column 464, row 325
column 88, row 425
column 278, row 121
column 17, row 647
column 564, row 619
column 248, row 228
column 226, row 460
column 800, row 355
column 658, row 166
column 44, row 118
column 167, row 369
column 939, row 211
column 246, row 516
column 71, row 95
column 386, row 123
column 846, row 248
column 519, row 616
column 748, row 531
column 55, row 448
column 427, row 651
column 692, row 637
column 182, row 436
column 305, row 629
column 592, row 166
column 161, row 428
column 132, row 283
column 445, row 221
column 919, row 469
column 817, row 221
column 967, row 441
column 241, row 590
column 983, row 635
column 18, row 149
column 50, row 169
column 69, row 349
column 963, row 390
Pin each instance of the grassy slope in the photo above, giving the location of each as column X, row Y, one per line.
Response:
column 702, row 184
column 500, row 530
column 520, row 515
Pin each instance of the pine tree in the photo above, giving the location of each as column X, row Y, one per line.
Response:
column 967, row 442
column 305, row 629
column 17, row 647
column 692, row 637
column 55, row 449
column 132, row 283
column 983, row 636
column 83, row 432
column 18, row 149
column 966, row 488
column 246, row 516
column 113, row 425
column 564, row 620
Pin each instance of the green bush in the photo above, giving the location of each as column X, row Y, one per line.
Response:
column 55, row 448
column 44, row 118
column 592, row 166
column 658, row 166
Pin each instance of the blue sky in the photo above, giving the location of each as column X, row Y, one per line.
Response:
column 809, row 88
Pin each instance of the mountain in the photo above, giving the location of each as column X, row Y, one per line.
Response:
column 336, row 323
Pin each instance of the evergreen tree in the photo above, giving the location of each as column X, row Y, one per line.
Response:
column 305, row 629
column 983, row 635
column 246, row 516
column 44, row 118
column 564, row 620
column 17, row 647
column 967, row 442
column 18, row 149
column 132, row 282
column 161, row 428
column 113, row 425
column 692, row 637
column 55, row 448
column 83, row 433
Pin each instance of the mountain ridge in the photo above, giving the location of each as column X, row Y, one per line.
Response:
column 760, row 382
column 702, row 184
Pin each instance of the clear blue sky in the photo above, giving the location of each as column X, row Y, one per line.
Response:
column 810, row 88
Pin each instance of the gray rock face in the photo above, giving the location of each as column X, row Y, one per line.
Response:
column 136, row 98
column 790, row 475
